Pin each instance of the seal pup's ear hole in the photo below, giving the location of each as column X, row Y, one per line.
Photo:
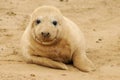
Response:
column 54, row 23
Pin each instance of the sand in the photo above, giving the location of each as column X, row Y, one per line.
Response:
column 98, row 19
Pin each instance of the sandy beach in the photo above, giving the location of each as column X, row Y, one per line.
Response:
column 99, row 20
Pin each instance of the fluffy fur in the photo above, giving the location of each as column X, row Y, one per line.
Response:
column 66, row 42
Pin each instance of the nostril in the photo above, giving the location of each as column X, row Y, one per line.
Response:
column 42, row 33
column 45, row 34
column 48, row 33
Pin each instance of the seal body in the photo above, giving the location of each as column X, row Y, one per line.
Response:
column 53, row 40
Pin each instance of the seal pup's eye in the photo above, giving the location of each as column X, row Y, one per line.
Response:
column 55, row 23
column 37, row 21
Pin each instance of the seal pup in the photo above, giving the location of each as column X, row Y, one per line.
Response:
column 53, row 40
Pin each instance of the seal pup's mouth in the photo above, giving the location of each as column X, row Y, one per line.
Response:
column 44, row 41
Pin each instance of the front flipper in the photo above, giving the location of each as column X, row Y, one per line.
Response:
column 81, row 61
column 46, row 62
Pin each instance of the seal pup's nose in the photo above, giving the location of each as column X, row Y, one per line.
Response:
column 45, row 34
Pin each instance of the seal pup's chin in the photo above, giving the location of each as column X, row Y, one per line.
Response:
column 49, row 42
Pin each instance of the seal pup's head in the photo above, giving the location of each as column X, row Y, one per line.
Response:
column 46, row 25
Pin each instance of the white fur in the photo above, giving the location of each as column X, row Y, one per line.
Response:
column 74, row 40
